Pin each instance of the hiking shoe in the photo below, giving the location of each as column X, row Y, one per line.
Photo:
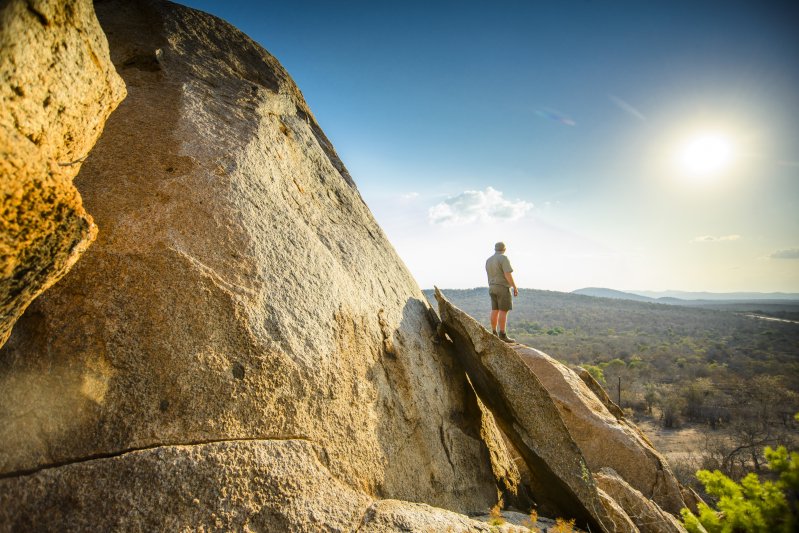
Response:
column 504, row 337
column 495, row 333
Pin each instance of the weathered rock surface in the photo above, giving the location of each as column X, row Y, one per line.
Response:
column 605, row 439
column 645, row 514
column 524, row 410
column 57, row 87
column 239, row 288
column 252, row 485
column 249, row 485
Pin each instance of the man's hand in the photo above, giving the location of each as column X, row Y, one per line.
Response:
column 512, row 283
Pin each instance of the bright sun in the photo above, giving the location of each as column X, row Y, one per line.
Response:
column 705, row 155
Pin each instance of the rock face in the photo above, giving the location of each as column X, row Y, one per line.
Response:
column 239, row 291
column 605, row 439
column 178, row 488
column 524, row 410
column 57, row 88
column 619, row 520
column 172, row 487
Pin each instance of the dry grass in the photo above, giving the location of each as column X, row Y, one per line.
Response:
column 496, row 516
column 530, row 524
column 563, row 526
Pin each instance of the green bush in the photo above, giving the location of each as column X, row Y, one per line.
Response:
column 596, row 372
column 750, row 505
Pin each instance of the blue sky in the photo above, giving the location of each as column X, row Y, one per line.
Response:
column 558, row 127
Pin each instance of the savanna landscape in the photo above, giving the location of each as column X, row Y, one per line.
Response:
column 711, row 388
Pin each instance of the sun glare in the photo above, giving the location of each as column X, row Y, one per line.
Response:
column 706, row 155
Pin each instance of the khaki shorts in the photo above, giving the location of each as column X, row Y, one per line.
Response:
column 500, row 298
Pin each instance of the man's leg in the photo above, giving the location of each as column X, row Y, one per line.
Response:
column 503, row 318
column 494, row 318
column 506, row 304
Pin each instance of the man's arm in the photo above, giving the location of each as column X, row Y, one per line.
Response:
column 509, row 278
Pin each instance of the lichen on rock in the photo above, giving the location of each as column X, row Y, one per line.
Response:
column 58, row 88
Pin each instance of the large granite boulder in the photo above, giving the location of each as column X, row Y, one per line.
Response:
column 57, row 88
column 239, row 291
column 606, row 438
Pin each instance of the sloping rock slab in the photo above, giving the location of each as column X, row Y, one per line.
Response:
column 58, row 88
column 645, row 514
column 605, row 439
column 524, row 410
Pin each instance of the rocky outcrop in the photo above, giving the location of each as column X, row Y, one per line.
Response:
column 57, row 88
column 562, row 483
column 605, row 439
column 645, row 514
column 555, row 422
column 239, row 296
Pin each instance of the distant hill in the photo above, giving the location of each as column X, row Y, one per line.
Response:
column 779, row 304
column 600, row 292
column 735, row 296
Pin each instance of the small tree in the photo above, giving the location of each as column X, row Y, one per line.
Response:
column 651, row 397
column 671, row 409
column 770, row 506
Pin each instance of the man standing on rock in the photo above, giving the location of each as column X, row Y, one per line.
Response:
column 500, row 281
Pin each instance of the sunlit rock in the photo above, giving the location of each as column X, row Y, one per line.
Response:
column 57, row 88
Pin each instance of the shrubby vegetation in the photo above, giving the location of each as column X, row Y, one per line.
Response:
column 734, row 375
column 751, row 505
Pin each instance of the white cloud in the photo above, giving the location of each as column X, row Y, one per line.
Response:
column 409, row 196
column 792, row 253
column 627, row 107
column 471, row 206
column 713, row 238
